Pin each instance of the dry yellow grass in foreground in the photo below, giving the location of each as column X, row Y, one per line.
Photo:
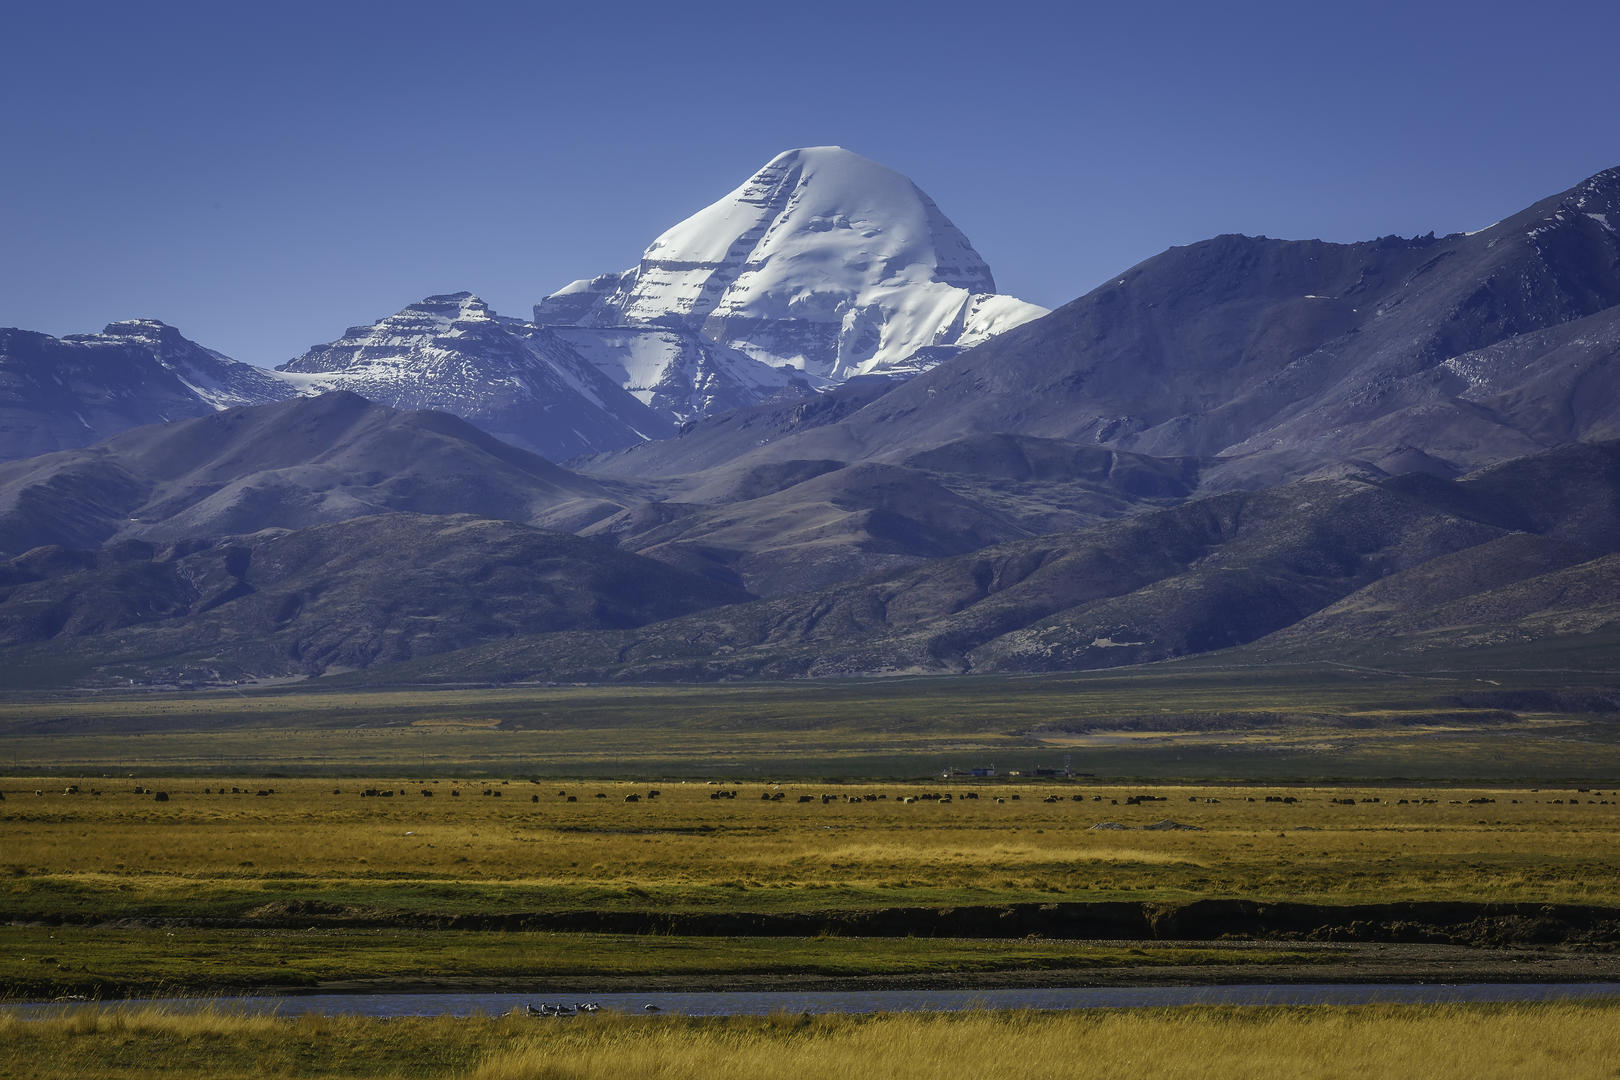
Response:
column 1568, row 1041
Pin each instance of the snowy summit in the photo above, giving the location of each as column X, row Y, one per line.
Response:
column 823, row 260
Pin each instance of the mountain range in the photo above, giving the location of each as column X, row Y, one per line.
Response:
column 1287, row 448
column 821, row 266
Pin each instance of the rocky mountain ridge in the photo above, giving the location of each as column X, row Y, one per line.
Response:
column 61, row 393
column 519, row 382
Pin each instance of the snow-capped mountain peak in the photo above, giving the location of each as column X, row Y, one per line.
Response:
column 822, row 260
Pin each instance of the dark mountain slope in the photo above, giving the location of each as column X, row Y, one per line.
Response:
column 709, row 446
column 830, row 527
column 289, row 465
column 786, row 526
column 369, row 590
column 1516, row 397
column 1515, row 590
column 1051, row 485
column 1555, row 574
column 1205, row 575
column 1015, row 458
column 774, row 528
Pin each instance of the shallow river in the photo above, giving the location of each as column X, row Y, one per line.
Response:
column 865, row 1001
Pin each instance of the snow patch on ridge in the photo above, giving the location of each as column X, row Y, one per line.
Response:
column 217, row 380
column 518, row 381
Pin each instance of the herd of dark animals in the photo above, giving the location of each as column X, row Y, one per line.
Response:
column 825, row 798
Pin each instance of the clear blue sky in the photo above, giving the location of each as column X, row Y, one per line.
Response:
column 263, row 176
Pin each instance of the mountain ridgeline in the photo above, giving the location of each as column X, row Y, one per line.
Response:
column 1293, row 449
column 1275, row 359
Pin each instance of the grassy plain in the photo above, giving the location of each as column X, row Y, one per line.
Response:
column 1477, row 1042
column 1171, row 722
column 111, row 891
column 109, row 852
column 1457, row 787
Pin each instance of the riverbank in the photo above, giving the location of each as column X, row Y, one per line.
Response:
column 43, row 962
column 1356, row 964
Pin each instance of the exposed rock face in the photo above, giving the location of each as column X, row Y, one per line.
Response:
column 822, row 260
column 63, row 393
column 519, row 382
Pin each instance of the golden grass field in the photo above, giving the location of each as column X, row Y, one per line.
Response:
column 525, row 843
column 1469, row 1042
column 348, row 887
